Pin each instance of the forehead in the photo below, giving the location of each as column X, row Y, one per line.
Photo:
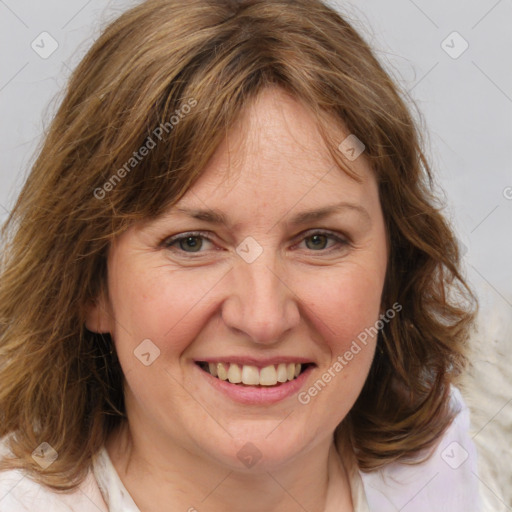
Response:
column 274, row 157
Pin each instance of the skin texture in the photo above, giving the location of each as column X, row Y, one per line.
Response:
column 301, row 297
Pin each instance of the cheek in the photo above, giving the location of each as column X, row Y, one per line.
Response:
column 163, row 305
column 344, row 302
column 345, row 312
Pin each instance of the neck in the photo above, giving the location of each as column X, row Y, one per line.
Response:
column 157, row 477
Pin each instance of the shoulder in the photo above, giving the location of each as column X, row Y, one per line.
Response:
column 446, row 481
column 19, row 493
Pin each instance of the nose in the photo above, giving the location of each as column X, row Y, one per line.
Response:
column 261, row 302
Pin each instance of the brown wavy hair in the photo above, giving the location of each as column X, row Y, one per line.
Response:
column 63, row 384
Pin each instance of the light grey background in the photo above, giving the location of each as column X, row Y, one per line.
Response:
column 466, row 103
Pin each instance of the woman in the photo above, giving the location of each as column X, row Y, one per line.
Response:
column 226, row 283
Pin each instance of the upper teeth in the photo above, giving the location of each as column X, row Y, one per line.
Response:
column 252, row 375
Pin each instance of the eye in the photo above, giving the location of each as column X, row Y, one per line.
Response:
column 317, row 241
column 188, row 242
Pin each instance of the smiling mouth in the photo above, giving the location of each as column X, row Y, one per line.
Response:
column 249, row 375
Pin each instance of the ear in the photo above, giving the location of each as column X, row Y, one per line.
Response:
column 98, row 315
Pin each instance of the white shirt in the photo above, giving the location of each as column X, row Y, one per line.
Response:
column 446, row 482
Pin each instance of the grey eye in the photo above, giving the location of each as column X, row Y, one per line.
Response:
column 191, row 242
column 318, row 241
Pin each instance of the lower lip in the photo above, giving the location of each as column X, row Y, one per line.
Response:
column 253, row 395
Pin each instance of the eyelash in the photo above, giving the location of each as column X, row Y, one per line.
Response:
column 169, row 242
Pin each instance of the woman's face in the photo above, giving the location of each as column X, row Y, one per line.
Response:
column 269, row 287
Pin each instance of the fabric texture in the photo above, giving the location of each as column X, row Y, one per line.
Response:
column 446, row 482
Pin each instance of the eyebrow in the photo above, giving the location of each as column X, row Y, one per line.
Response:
column 214, row 216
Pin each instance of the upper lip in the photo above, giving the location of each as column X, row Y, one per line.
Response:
column 259, row 362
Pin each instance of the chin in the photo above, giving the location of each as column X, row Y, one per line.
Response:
column 259, row 448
